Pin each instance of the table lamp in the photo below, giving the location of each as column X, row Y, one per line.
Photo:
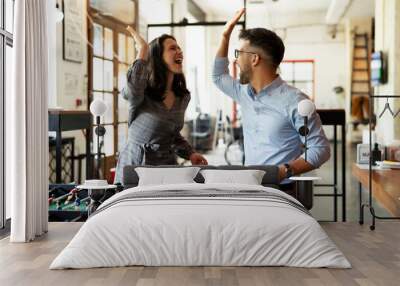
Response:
column 305, row 108
column 98, row 108
column 305, row 185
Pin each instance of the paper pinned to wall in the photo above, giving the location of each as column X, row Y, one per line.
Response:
column 72, row 48
column 71, row 84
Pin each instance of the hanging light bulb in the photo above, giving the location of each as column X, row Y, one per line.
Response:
column 59, row 15
column 98, row 107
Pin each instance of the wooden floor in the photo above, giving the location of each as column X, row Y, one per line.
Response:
column 375, row 257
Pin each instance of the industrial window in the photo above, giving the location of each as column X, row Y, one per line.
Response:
column 300, row 74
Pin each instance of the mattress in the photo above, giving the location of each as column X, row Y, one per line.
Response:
column 201, row 225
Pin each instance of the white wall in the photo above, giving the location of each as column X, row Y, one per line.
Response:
column 196, row 78
column 387, row 39
column 66, row 98
column 52, row 42
column 154, row 12
column 329, row 56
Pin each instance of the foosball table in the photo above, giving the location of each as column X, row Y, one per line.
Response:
column 68, row 202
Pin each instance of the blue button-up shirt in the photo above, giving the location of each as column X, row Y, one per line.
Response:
column 271, row 121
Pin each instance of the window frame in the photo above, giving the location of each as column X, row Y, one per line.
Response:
column 117, row 27
column 6, row 39
column 294, row 81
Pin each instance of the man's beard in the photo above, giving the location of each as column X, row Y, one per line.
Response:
column 244, row 77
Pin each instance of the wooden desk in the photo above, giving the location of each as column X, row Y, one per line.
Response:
column 66, row 120
column 385, row 186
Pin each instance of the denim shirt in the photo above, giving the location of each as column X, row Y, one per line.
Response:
column 271, row 121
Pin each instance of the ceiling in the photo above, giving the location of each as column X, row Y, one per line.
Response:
column 228, row 7
column 361, row 8
column 222, row 9
column 279, row 11
column 122, row 10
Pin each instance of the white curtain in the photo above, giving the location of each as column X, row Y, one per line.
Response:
column 27, row 123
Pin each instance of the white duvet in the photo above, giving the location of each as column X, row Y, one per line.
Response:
column 188, row 231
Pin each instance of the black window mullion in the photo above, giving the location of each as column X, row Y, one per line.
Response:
column 100, row 58
column 2, row 177
column 6, row 39
column 3, row 13
column 2, row 137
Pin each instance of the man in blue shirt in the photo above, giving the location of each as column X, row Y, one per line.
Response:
column 269, row 105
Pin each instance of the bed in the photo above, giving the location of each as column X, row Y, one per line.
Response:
column 200, row 224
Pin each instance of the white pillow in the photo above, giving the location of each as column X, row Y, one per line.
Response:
column 248, row 177
column 162, row 176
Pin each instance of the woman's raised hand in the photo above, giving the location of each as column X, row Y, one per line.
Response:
column 141, row 44
column 231, row 23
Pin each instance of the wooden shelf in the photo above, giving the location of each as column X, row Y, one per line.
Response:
column 385, row 186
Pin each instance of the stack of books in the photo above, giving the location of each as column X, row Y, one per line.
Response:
column 388, row 164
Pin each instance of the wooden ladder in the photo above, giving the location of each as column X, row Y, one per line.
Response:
column 360, row 80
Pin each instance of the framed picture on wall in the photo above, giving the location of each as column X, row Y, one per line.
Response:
column 72, row 31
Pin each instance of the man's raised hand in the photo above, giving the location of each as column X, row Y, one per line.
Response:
column 232, row 23
column 222, row 50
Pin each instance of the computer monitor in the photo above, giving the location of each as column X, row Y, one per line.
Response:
column 378, row 69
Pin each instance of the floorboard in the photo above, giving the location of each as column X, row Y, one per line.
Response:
column 374, row 255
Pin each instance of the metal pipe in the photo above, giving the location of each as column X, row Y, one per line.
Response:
column 183, row 24
column 98, row 146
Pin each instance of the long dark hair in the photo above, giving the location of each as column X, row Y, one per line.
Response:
column 158, row 70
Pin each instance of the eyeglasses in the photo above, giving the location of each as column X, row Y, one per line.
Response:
column 237, row 52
